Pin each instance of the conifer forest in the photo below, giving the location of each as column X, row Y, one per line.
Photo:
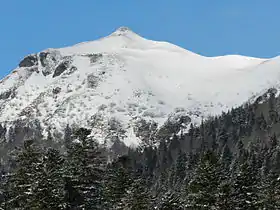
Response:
column 228, row 162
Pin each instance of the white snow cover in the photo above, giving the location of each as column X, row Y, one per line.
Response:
column 134, row 78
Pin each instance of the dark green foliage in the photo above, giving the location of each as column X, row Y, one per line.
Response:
column 20, row 190
column 37, row 180
column 139, row 196
column 118, row 182
column 50, row 192
column 245, row 188
column 270, row 192
column 226, row 158
column 181, row 164
column 230, row 161
column 67, row 137
column 85, row 171
column 171, row 201
column 223, row 197
column 172, row 177
column 202, row 188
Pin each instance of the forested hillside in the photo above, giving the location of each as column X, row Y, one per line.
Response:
column 230, row 161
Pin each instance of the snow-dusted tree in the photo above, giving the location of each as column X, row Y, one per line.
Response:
column 245, row 188
column 138, row 196
column 181, row 164
column 171, row 201
column 202, row 188
column 21, row 186
column 118, row 183
column 50, row 193
column 67, row 137
column 269, row 194
column 85, row 172
column 223, row 198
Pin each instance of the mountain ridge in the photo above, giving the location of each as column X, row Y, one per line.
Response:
column 115, row 83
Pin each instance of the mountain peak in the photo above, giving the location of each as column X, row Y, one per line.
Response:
column 122, row 84
column 123, row 31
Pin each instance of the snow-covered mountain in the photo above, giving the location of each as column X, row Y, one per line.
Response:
column 125, row 85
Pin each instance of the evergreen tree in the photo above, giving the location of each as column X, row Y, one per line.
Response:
column 181, row 164
column 118, row 182
column 226, row 159
column 67, row 137
column 162, row 167
column 139, row 196
column 202, row 189
column 245, row 188
column 172, row 177
column 223, row 196
column 223, row 199
column 239, row 157
column 275, row 160
column 171, row 201
column 2, row 188
column 50, row 188
column 85, row 168
column 270, row 192
column 22, row 183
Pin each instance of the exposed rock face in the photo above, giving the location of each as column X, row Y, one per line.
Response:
column 48, row 61
column 71, row 70
column 43, row 58
column 62, row 67
column 7, row 94
column 270, row 92
column 56, row 90
column 29, row 61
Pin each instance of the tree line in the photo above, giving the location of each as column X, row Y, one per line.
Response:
column 230, row 161
column 83, row 178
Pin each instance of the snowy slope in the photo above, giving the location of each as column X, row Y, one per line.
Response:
column 112, row 83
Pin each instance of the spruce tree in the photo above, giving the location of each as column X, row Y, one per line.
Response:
column 171, row 201
column 223, row 196
column 223, row 199
column 85, row 172
column 202, row 188
column 162, row 168
column 2, row 188
column 172, row 177
column 22, row 183
column 67, row 137
column 118, row 182
column 244, row 193
column 139, row 196
column 50, row 192
column 181, row 165
column 226, row 158
column 270, row 191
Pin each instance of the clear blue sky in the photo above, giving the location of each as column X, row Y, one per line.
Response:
column 217, row 27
